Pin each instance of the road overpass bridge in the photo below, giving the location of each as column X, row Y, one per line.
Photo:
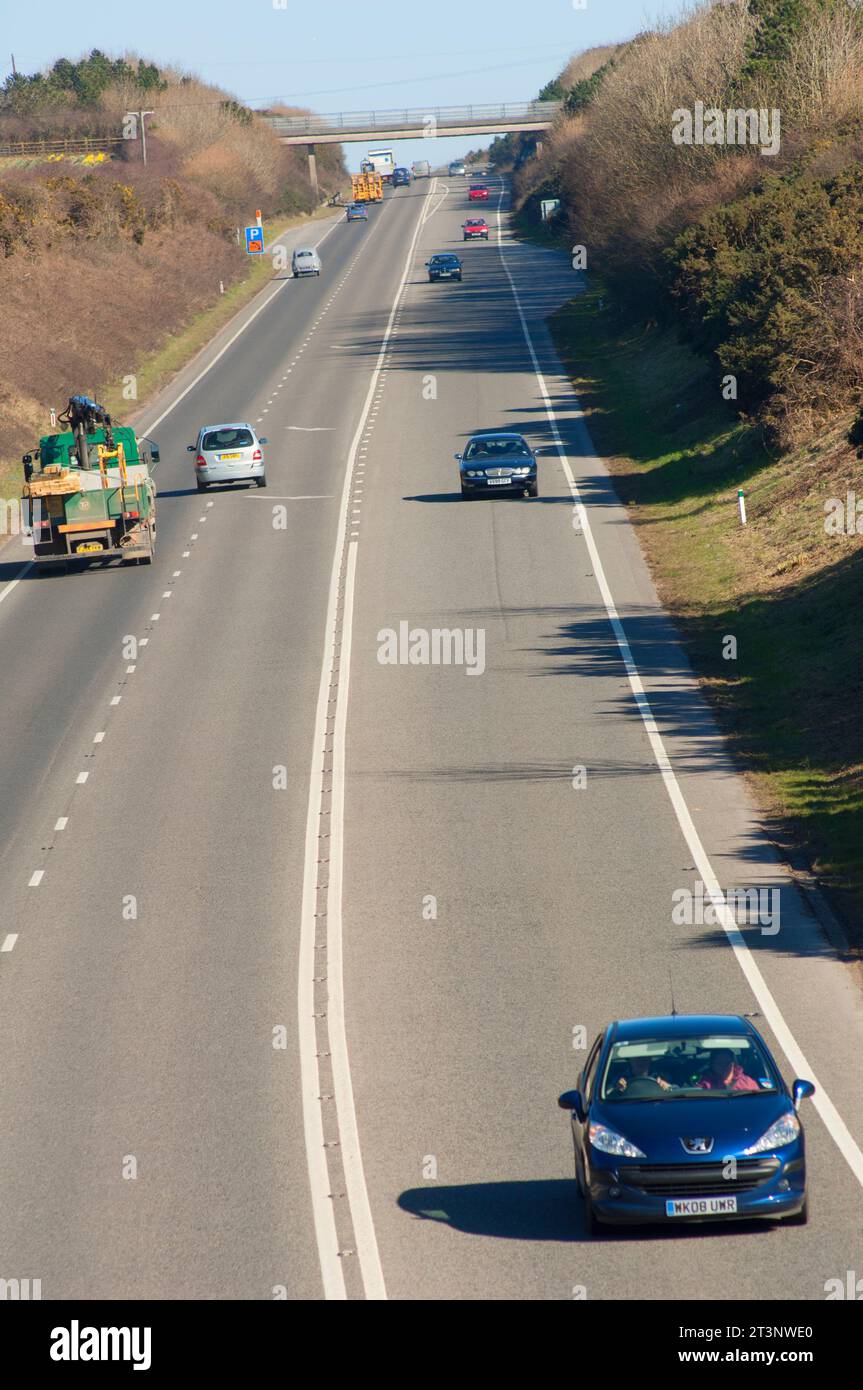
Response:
column 417, row 123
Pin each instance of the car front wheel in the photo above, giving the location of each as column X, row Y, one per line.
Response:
column 594, row 1226
column 801, row 1217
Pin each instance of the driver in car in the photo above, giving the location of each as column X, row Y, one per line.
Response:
column 640, row 1066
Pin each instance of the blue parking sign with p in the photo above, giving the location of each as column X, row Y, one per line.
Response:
column 254, row 241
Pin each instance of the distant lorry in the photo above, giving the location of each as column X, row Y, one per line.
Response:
column 366, row 187
column 380, row 162
column 88, row 492
column 421, row 169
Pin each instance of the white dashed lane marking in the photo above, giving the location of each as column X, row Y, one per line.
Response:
column 36, row 878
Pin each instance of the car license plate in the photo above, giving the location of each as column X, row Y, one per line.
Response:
column 223, row 457
column 701, row 1206
column 499, row 482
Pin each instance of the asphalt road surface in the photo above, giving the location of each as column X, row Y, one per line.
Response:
column 296, row 943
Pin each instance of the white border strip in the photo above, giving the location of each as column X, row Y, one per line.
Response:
column 839, row 1131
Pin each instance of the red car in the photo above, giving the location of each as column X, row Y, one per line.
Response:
column 474, row 227
column 477, row 192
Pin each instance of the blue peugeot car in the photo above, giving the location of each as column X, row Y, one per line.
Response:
column 683, row 1119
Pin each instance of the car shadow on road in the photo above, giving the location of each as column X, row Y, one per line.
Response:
column 548, row 1209
column 491, row 497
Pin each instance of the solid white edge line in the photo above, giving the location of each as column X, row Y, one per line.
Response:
column 13, row 584
column 830, row 1116
column 361, row 1215
column 326, row 1235
column 325, row 1231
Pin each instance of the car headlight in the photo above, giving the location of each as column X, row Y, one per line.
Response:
column 608, row 1141
column 785, row 1130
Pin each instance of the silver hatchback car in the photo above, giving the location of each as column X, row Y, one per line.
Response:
column 305, row 261
column 228, row 454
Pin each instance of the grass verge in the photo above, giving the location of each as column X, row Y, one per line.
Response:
column 783, row 586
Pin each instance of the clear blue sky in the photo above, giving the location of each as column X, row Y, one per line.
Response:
column 339, row 55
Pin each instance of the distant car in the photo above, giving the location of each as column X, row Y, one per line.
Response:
column 477, row 193
column 686, row 1118
column 305, row 261
column 498, row 461
column 444, row 267
column 357, row 212
column 456, row 167
column 474, row 227
column 401, row 177
column 228, row 454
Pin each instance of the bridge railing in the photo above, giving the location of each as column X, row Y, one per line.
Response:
column 418, row 116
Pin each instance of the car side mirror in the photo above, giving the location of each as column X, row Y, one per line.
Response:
column 155, row 456
column 262, row 439
column 571, row 1100
column 190, row 448
column 801, row 1090
column 457, row 457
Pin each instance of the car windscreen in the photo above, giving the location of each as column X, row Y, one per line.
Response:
column 444, row 260
column 687, row 1068
column 227, row 439
column 497, row 449
column 300, row 254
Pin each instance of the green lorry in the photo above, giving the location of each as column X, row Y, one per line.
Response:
column 88, row 491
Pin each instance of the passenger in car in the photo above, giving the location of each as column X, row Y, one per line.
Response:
column 724, row 1074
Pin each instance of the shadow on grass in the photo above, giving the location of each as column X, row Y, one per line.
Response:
column 694, row 444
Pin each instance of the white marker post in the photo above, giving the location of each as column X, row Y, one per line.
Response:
column 742, row 505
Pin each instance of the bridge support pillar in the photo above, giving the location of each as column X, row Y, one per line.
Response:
column 538, row 148
column 313, row 170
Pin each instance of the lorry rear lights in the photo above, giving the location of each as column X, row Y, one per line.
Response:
column 131, row 516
